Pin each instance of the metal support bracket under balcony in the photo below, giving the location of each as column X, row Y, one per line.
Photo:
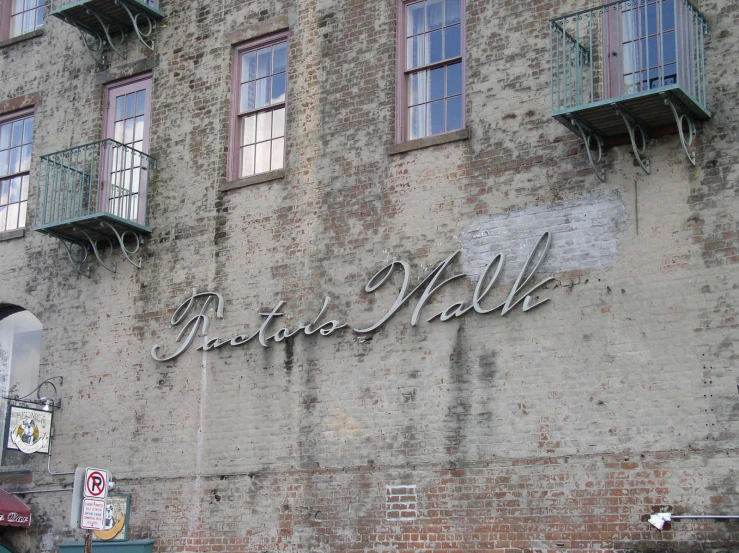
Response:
column 635, row 126
column 107, row 22
column 589, row 136
column 683, row 117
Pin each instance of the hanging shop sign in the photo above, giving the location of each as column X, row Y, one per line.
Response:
column 198, row 322
column 29, row 430
column 115, row 519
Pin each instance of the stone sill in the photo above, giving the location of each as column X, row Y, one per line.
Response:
column 428, row 141
column 21, row 38
column 250, row 181
column 12, row 234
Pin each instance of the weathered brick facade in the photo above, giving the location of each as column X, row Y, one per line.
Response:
column 557, row 429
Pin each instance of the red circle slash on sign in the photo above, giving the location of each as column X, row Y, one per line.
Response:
column 95, row 484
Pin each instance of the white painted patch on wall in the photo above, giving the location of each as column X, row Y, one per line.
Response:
column 586, row 234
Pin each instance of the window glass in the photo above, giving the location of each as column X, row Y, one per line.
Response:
column 16, row 148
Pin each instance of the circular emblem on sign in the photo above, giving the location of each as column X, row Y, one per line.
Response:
column 95, row 484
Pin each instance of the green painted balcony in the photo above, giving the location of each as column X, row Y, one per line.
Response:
column 93, row 198
column 629, row 71
column 104, row 24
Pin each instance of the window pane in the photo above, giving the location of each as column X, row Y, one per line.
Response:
column 17, row 6
column 128, row 131
column 39, row 17
column 12, row 217
column 248, row 97
column 263, row 92
column 452, row 42
column 247, row 161
column 278, row 88
column 417, row 88
column 22, row 216
column 4, row 156
column 453, row 12
column 453, row 113
column 278, row 153
column 279, row 58
column 262, row 163
column 16, row 25
column 434, row 14
column 454, row 79
column 5, row 132
column 417, row 122
column 29, row 22
column 668, row 15
column 436, row 83
column 118, row 132
column 15, row 190
column 414, row 53
column 264, row 126
column 670, row 74
column 248, row 66
column 130, row 105
column 278, row 122
column 436, row 117
column 668, row 47
column 248, row 129
column 29, row 4
column 120, row 107
column 24, row 188
column 138, row 133
column 15, row 160
column 3, row 217
column 414, row 15
column 651, row 19
column 16, row 138
column 140, row 102
column 433, row 45
column 264, row 62
column 4, row 191
column 26, row 157
column 28, row 130
column 651, row 56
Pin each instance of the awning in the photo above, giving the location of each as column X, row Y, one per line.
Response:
column 13, row 512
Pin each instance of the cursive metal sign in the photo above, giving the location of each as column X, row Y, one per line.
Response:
column 199, row 321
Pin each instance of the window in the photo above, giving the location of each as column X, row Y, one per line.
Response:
column 642, row 44
column 16, row 144
column 127, row 116
column 430, row 68
column 258, row 107
column 18, row 17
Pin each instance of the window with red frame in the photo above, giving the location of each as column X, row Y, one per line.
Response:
column 16, row 145
column 258, row 121
column 431, row 68
column 19, row 17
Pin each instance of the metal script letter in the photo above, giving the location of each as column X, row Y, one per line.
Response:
column 201, row 320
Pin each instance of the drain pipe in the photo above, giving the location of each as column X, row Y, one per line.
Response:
column 658, row 520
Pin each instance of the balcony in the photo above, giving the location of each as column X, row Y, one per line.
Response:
column 93, row 198
column 104, row 24
column 629, row 71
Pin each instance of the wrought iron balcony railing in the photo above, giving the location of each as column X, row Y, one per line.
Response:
column 104, row 23
column 93, row 197
column 628, row 70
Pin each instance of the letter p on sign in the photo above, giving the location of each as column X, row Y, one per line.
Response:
column 96, row 483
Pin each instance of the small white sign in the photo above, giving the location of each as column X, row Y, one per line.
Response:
column 93, row 514
column 96, row 483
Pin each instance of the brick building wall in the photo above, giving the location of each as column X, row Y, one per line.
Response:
column 557, row 429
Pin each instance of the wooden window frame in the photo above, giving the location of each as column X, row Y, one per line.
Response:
column 5, row 16
column 403, row 74
column 233, row 171
column 11, row 117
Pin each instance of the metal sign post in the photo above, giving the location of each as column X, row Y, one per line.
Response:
column 88, row 541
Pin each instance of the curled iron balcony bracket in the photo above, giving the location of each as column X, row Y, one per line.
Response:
column 117, row 48
column 121, row 242
column 94, row 43
column 96, row 250
column 588, row 137
column 634, row 126
column 150, row 25
column 680, row 119
column 79, row 259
